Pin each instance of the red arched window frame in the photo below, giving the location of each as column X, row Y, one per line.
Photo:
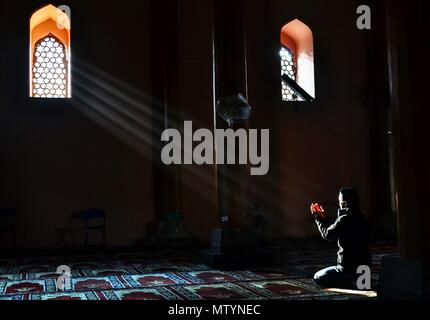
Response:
column 50, row 54
column 297, row 62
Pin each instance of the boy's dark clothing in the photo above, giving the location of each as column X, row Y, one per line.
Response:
column 351, row 232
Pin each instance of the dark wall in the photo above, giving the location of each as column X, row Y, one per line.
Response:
column 315, row 147
column 56, row 159
column 96, row 150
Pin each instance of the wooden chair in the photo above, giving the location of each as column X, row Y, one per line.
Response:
column 94, row 221
column 73, row 233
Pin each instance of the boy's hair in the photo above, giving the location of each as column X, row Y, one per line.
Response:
column 351, row 197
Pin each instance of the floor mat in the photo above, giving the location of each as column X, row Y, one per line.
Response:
column 176, row 275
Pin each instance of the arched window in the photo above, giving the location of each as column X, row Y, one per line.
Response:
column 50, row 54
column 297, row 62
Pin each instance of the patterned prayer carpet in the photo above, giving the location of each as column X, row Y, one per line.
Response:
column 132, row 274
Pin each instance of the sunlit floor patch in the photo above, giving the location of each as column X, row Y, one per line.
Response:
column 364, row 294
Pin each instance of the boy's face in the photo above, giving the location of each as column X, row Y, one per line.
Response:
column 341, row 202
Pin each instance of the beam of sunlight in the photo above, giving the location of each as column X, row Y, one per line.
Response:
column 133, row 117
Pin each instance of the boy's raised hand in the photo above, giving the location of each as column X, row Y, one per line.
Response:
column 317, row 210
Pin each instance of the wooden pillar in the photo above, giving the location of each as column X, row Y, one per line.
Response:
column 165, row 106
column 409, row 70
column 408, row 65
column 230, row 47
column 230, row 79
column 383, row 212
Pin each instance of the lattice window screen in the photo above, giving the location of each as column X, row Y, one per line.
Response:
column 288, row 67
column 50, row 69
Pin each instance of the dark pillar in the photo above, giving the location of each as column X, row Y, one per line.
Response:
column 383, row 214
column 230, row 79
column 165, row 93
column 409, row 67
column 232, row 245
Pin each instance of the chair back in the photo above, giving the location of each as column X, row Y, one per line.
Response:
column 94, row 214
column 95, row 218
column 7, row 213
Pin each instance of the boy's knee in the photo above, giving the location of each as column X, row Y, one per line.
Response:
column 318, row 278
column 323, row 277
